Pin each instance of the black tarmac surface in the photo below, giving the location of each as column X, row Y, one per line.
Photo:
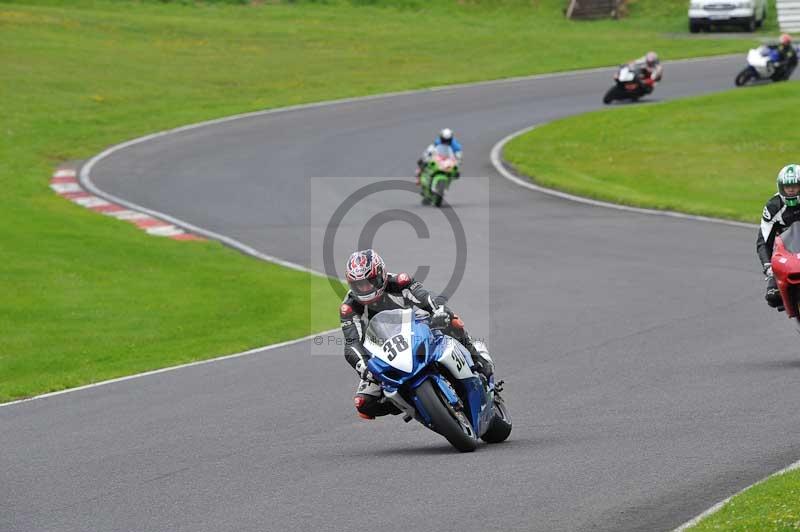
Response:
column 646, row 377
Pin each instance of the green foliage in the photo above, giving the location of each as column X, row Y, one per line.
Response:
column 716, row 155
column 771, row 506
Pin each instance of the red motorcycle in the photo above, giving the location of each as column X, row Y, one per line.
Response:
column 786, row 269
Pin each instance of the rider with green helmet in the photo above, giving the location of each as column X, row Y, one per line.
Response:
column 781, row 211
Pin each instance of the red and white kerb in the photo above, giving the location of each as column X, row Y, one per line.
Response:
column 65, row 183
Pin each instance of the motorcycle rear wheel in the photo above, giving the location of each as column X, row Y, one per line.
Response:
column 451, row 424
column 500, row 426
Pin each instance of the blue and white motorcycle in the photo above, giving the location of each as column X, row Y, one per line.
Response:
column 429, row 377
column 763, row 63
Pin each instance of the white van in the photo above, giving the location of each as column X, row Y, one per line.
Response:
column 749, row 14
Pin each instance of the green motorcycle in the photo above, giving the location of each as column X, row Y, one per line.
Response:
column 436, row 176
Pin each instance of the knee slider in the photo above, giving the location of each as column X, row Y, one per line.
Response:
column 365, row 405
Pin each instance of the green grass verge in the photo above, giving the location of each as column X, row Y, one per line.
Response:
column 87, row 298
column 772, row 506
column 714, row 155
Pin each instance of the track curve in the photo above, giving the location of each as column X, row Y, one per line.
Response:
column 646, row 378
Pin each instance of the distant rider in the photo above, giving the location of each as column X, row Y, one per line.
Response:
column 787, row 57
column 372, row 290
column 650, row 70
column 445, row 137
column 781, row 211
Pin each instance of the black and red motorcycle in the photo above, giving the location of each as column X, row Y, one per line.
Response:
column 630, row 84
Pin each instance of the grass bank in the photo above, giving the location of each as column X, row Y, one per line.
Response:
column 772, row 506
column 86, row 298
column 714, row 155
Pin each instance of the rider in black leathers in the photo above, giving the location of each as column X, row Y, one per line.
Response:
column 781, row 211
column 788, row 58
column 373, row 290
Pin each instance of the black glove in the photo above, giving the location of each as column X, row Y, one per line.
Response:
column 440, row 318
column 364, row 372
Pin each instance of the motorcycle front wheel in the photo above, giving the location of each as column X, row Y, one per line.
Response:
column 438, row 192
column 445, row 420
column 610, row 96
column 743, row 77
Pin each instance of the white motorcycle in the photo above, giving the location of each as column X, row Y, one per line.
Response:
column 763, row 64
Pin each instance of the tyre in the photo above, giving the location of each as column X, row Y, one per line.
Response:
column 438, row 192
column 500, row 427
column 610, row 96
column 750, row 24
column 743, row 77
column 694, row 28
column 445, row 420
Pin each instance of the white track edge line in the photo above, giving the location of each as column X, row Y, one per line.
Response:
column 497, row 162
column 253, row 351
column 717, row 507
column 85, row 180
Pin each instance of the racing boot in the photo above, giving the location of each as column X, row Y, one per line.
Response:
column 477, row 349
column 480, row 356
column 773, row 295
column 371, row 403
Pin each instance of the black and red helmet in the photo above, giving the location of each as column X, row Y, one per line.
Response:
column 366, row 275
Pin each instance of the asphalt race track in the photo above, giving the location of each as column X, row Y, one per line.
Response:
column 646, row 377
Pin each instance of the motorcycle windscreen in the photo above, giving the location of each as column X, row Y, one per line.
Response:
column 388, row 338
column 626, row 74
column 445, row 151
column 791, row 238
column 445, row 158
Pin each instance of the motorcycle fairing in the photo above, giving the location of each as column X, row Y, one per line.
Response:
column 392, row 372
column 626, row 74
column 389, row 339
column 425, row 347
column 786, row 268
column 458, row 362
